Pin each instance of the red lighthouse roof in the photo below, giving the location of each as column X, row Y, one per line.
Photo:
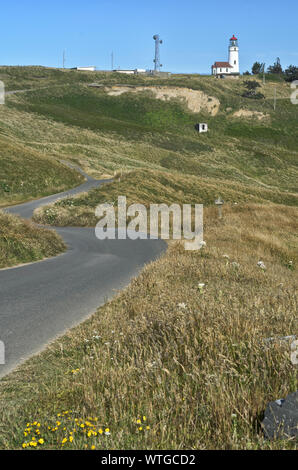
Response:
column 233, row 38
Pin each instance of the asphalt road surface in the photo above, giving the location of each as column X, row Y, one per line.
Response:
column 40, row 301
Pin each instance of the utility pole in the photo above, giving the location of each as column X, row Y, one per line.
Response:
column 64, row 58
column 156, row 60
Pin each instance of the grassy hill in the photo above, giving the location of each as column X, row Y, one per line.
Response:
column 105, row 134
column 26, row 173
column 193, row 360
column 23, row 242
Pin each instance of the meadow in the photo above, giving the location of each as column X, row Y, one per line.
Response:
column 179, row 359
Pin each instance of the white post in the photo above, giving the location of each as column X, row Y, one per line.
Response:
column 275, row 99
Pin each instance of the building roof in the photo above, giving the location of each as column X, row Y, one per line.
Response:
column 233, row 38
column 222, row 64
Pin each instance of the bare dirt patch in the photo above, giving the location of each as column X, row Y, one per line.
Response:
column 196, row 100
column 245, row 113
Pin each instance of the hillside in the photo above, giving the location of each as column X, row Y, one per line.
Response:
column 185, row 345
column 23, row 242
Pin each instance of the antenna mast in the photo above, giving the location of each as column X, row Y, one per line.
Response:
column 64, row 58
column 156, row 61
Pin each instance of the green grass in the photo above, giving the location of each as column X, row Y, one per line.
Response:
column 26, row 173
column 135, row 130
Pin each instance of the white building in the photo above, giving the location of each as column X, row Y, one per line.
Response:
column 230, row 68
column 86, row 69
column 130, row 71
column 201, row 127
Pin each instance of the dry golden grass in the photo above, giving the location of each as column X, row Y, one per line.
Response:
column 23, row 242
column 154, row 187
column 193, row 361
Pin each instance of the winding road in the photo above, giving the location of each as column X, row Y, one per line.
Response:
column 40, row 301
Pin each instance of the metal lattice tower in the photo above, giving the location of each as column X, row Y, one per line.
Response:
column 156, row 61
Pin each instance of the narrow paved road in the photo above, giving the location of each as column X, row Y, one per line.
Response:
column 40, row 301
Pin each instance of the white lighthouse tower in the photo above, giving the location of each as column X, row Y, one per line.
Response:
column 234, row 55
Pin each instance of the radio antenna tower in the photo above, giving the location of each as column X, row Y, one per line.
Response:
column 64, row 58
column 156, row 61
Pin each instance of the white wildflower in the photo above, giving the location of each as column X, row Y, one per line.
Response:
column 235, row 264
column 261, row 265
column 182, row 305
column 294, row 353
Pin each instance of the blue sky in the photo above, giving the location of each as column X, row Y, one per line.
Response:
column 195, row 33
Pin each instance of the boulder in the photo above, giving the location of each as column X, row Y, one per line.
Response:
column 281, row 418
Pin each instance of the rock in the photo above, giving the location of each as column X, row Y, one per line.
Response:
column 281, row 418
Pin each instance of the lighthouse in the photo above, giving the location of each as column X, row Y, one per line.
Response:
column 230, row 68
column 234, row 55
